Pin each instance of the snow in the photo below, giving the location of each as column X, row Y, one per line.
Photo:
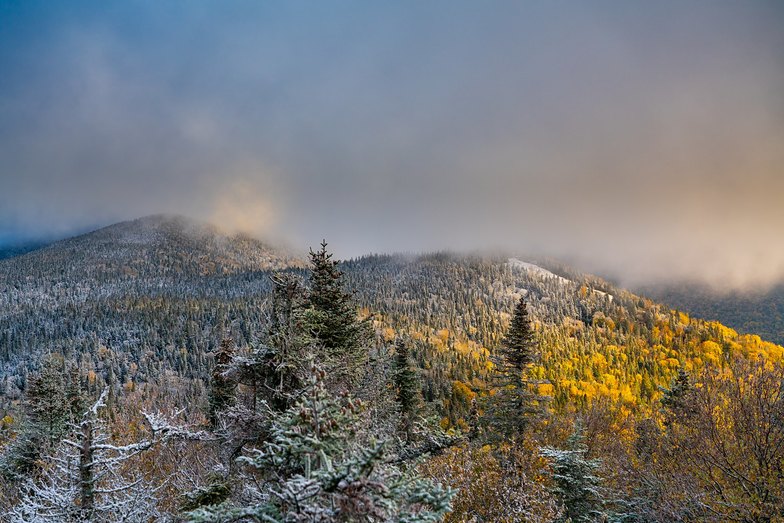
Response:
column 544, row 273
column 535, row 269
column 604, row 294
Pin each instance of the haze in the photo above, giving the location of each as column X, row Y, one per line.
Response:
column 643, row 140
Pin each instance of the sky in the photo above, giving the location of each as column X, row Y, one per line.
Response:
column 639, row 140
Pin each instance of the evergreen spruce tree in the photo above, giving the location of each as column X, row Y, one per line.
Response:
column 283, row 356
column 48, row 408
column 334, row 323
column 222, row 393
column 407, row 387
column 46, row 400
column 315, row 467
column 674, row 397
column 576, row 483
column 512, row 404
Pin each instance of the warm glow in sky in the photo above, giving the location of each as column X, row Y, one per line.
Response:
column 643, row 140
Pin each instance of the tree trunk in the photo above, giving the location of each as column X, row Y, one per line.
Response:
column 86, row 483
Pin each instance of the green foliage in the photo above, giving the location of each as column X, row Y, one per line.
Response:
column 513, row 403
column 283, row 357
column 407, row 386
column 52, row 399
column 217, row 491
column 334, row 323
column 674, row 398
column 313, row 468
column 576, row 480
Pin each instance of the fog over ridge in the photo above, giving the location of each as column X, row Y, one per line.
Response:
column 638, row 141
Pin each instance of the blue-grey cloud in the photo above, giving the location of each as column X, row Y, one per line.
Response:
column 640, row 139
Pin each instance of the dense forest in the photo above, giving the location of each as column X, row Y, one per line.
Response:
column 753, row 311
column 157, row 370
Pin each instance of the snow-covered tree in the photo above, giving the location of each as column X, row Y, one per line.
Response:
column 87, row 478
column 222, row 393
column 52, row 399
column 314, row 467
column 407, row 387
column 576, row 483
column 334, row 323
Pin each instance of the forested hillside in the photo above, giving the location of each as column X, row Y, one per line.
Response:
column 135, row 300
column 587, row 406
column 755, row 312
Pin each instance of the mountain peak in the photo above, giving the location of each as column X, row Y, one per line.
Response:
column 157, row 244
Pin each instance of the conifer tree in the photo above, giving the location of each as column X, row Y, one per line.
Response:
column 674, row 397
column 46, row 400
column 334, row 323
column 283, row 356
column 222, row 394
column 48, row 408
column 315, row 468
column 576, row 483
column 407, row 386
column 513, row 403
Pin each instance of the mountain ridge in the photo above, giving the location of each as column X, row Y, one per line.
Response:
column 149, row 299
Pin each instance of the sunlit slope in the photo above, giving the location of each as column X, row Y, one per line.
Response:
column 597, row 342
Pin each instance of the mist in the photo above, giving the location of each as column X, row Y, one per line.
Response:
column 643, row 141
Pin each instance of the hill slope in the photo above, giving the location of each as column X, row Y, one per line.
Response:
column 759, row 313
column 148, row 301
column 143, row 295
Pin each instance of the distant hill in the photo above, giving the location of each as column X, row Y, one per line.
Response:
column 759, row 313
column 9, row 251
column 149, row 300
column 137, row 292
column 158, row 246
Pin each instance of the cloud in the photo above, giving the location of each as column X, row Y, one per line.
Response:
column 639, row 141
column 240, row 207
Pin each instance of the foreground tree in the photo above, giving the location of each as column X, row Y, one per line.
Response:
column 222, row 393
column 282, row 358
column 407, row 387
column 730, row 439
column 675, row 400
column 86, row 480
column 315, row 467
column 494, row 484
column 52, row 400
column 334, row 323
column 576, row 481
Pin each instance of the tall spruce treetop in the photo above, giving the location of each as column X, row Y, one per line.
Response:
column 518, row 347
column 513, row 403
column 333, row 320
column 408, row 388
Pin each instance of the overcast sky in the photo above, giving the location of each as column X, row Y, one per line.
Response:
column 643, row 140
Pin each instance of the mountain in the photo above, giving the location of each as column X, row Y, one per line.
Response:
column 142, row 290
column 9, row 251
column 753, row 312
column 155, row 246
column 148, row 301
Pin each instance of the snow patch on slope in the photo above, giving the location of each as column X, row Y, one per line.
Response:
column 535, row 269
